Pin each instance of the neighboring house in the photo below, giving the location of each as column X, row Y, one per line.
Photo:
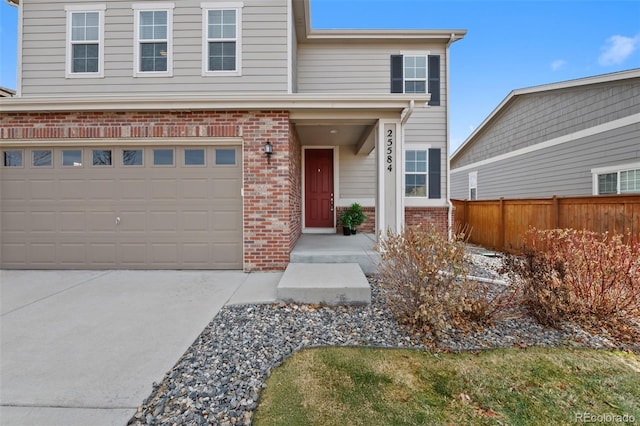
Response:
column 578, row 137
column 139, row 133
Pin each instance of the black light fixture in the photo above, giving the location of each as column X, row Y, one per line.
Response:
column 268, row 149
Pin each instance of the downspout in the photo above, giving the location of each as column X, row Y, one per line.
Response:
column 450, row 204
column 406, row 113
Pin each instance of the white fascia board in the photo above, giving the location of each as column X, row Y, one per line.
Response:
column 611, row 125
column 263, row 101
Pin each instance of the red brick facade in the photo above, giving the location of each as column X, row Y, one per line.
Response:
column 439, row 216
column 272, row 192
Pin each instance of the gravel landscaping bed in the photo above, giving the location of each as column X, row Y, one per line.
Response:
column 219, row 379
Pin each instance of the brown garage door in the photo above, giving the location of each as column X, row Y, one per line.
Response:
column 121, row 207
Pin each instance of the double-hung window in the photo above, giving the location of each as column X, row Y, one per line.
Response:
column 222, row 43
column 422, row 173
column 416, row 73
column 85, row 40
column 624, row 179
column 153, row 50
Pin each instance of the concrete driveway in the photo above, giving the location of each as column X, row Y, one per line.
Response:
column 84, row 347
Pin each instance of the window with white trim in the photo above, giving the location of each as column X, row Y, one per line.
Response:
column 624, row 180
column 222, row 38
column 473, row 185
column 415, row 173
column 85, row 40
column 415, row 74
column 153, row 50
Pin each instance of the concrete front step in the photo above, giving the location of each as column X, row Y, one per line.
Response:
column 325, row 284
column 335, row 248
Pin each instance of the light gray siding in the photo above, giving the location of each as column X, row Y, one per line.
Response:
column 357, row 174
column 264, row 51
column 354, row 67
column 561, row 170
column 536, row 117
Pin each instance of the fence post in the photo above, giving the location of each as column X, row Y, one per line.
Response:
column 501, row 230
column 555, row 212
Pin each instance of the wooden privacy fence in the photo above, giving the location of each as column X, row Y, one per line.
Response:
column 501, row 224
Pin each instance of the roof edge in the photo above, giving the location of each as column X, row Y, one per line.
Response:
column 584, row 81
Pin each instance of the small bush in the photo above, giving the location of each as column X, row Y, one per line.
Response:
column 581, row 276
column 424, row 275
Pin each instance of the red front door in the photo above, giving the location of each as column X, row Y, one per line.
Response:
column 318, row 188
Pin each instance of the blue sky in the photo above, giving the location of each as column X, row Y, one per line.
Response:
column 509, row 44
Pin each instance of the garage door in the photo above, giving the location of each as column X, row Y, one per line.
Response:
column 132, row 207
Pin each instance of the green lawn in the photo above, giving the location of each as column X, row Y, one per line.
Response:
column 358, row 386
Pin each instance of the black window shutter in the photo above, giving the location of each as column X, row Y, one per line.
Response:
column 434, row 79
column 397, row 69
column 434, row 173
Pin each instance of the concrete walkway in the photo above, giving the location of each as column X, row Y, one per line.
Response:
column 84, row 347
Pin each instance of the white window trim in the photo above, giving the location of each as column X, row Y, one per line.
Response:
column 419, row 201
column 414, row 53
column 611, row 169
column 473, row 177
column 144, row 7
column 81, row 8
column 206, row 7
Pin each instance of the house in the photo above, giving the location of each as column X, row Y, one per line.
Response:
column 210, row 134
column 6, row 93
column 577, row 137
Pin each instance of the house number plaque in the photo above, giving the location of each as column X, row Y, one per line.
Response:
column 389, row 157
column 389, row 142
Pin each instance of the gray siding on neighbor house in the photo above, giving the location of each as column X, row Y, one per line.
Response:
column 537, row 117
column 355, row 67
column 264, row 51
column 562, row 170
column 357, row 174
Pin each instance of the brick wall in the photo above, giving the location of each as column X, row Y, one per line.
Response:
column 295, row 187
column 425, row 215
column 271, row 190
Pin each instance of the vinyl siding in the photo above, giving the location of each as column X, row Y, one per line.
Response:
column 354, row 68
column 561, row 170
column 264, row 51
column 534, row 118
column 357, row 174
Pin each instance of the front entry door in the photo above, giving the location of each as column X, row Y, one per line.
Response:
column 318, row 188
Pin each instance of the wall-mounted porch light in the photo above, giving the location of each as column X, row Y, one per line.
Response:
column 268, row 149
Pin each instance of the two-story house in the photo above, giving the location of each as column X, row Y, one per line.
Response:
column 211, row 134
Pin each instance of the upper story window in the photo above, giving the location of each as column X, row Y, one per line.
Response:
column 85, row 40
column 416, row 73
column 222, row 38
column 153, row 51
column 624, row 179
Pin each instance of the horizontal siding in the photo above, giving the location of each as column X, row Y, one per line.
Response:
column 353, row 67
column 357, row 174
column 428, row 126
column 537, row 117
column 561, row 170
column 264, row 51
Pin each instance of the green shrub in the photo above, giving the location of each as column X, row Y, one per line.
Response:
column 424, row 274
column 586, row 277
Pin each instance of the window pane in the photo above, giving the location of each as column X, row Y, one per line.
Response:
column 101, row 157
column 132, row 157
column 630, row 181
column 415, row 87
column 194, row 157
column 41, row 158
column 415, row 186
column 222, row 56
column 85, row 58
column 229, row 17
column 608, row 183
column 163, row 157
column 72, row 157
column 13, row 158
column 225, row 156
column 153, row 57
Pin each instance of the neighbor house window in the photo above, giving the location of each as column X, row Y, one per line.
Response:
column 473, row 185
column 153, row 48
column 416, row 73
column 222, row 38
column 623, row 179
column 85, row 40
column 422, row 173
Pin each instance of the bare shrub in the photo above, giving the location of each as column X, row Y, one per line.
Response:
column 586, row 277
column 425, row 278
